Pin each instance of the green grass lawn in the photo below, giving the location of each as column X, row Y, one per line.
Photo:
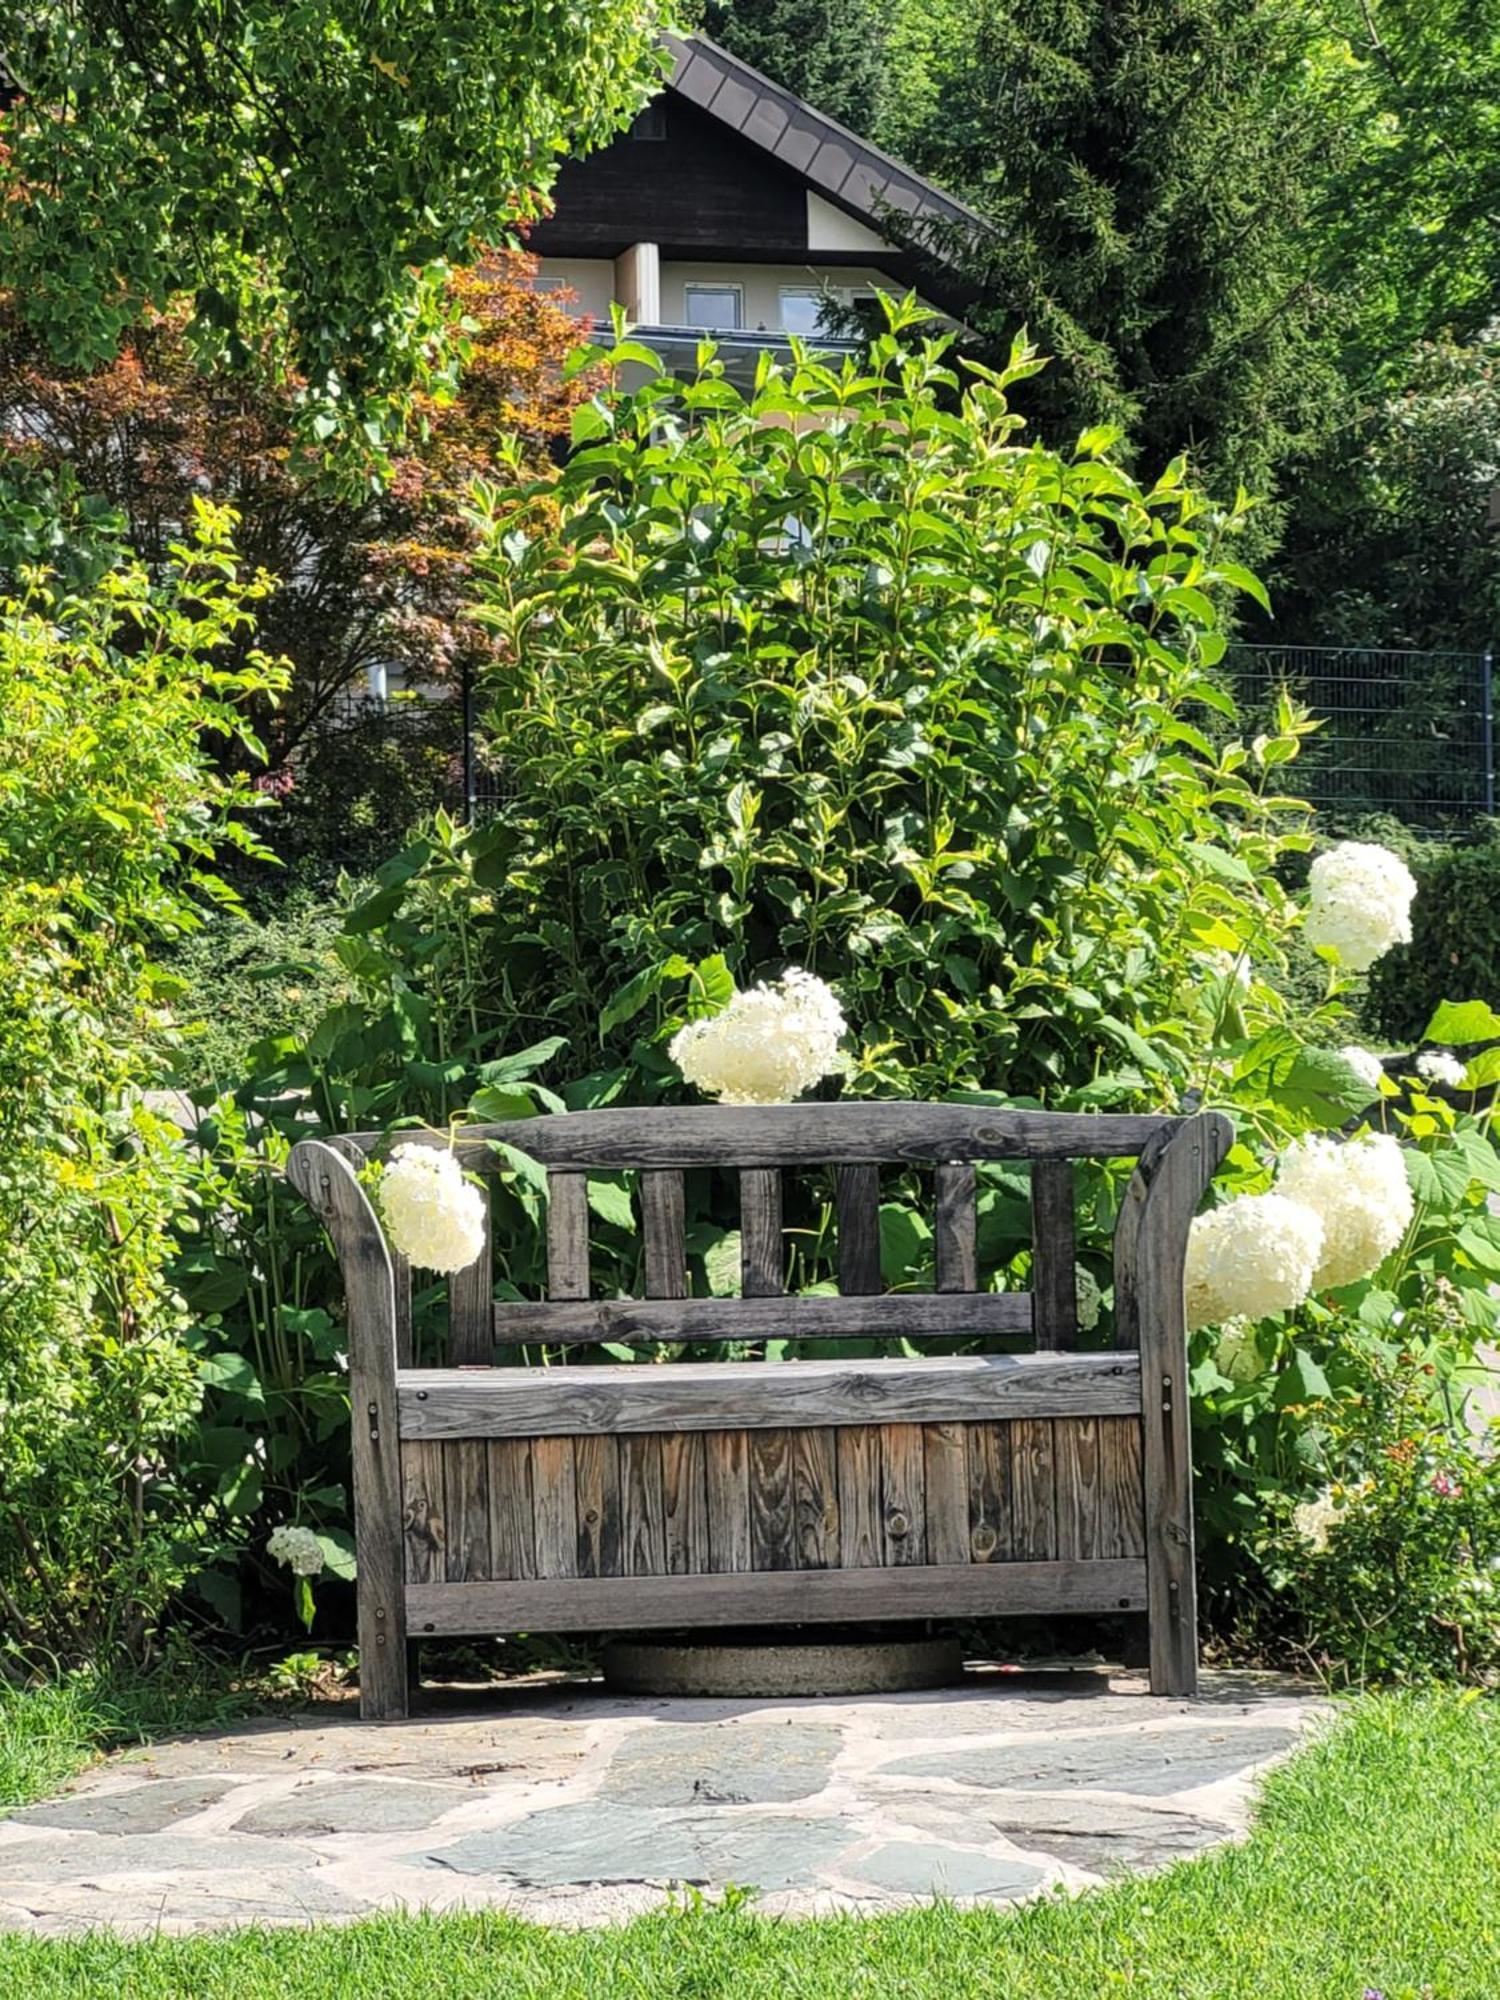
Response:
column 1375, row 1864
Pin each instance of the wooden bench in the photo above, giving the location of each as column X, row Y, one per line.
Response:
column 624, row 1496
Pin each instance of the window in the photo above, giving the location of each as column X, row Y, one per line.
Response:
column 650, row 123
column 801, row 309
column 718, row 307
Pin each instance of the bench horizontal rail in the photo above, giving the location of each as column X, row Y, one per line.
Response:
column 881, row 1316
column 760, row 1395
column 776, row 1597
column 793, row 1135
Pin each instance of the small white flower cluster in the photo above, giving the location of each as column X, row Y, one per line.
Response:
column 767, row 1046
column 1253, row 1256
column 1360, row 1194
column 1360, row 902
column 1337, row 1212
column 1366, row 1065
column 432, row 1215
column 1314, row 1518
column 1437, row 1066
column 298, row 1548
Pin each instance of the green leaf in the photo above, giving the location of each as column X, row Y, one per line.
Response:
column 610, row 1201
column 1322, row 1087
column 511, row 1069
column 1301, row 1381
column 630, row 999
column 497, row 1107
column 722, row 1263
column 1218, row 862
column 233, row 1374
column 338, row 1553
column 1458, row 1021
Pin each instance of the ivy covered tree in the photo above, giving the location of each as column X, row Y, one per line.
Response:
column 832, row 52
column 306, row 175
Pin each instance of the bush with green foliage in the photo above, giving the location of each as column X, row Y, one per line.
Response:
column 1455, row 945
column 110, row 814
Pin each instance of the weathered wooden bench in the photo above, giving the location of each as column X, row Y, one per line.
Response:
column 623, row 1497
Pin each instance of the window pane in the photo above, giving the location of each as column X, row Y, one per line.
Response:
column 801, row 309
column 713, row 306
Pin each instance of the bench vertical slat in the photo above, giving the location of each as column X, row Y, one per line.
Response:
column 727, row 1464
column 772, row 1534
column 662, row 1218
column 861, row 1532
column 903, row 1494
column 1122, row 1526
column 597, row 1469
column 857, row 1205
column 1079, row 1488
column 466, row 1513
column 512, row 1513
column 567, row 1235
column 1054, row 1279
column 1033, row 1487
column 989, row 1493
column 643, row 1506
column 554, row 1503
column 762, row 1261
column 945, row 1472
column 684, row 1480
column 423, row 1526
column 400, row 1268
column 956, row 1227
column 815, row 1498
column 471, row 1305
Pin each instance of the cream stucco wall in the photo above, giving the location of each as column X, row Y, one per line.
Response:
column 594, row 283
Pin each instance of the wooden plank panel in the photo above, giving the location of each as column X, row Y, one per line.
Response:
column 554, row 1500
column 466, row 1490
column 1054, row 1281
column 471, row 1305
column 1122, row 1526
column 422, row 1526
column 772, row 1544
column 512, row 1524
column 989, row 1492
column 567, row 1241
column 956, row 1227
column 762, row 1253
column 727, row 1466
column 1033, row 1492
column 861, row 1532
column 771, row 1597
column 684, row 1479
column 1076, row 1443
column 946, row 1489
column 857, row 1208
column 794, row 1135
column 815, row 1498
column 643, row 1526
column 662, row 1225
column 798, row 1317
column 903, row 1506
column 754, row 1395
column 596, row 1463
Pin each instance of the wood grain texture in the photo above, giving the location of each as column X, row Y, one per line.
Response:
column 512, row 1522
column 903, row 1495
column 643, row 1507
column 567, row 1240
column 1150, row 1247
column 471, row 1305
column 815, row 1498
column 777, row 1597
column 762, row 1253
column 1075, row 1442
column 772, row 1539
column 348, row 1149
column 423, row 1528
column 857, row 1208
column 861, row 1532
column 945, row 1460
column 1033, row 1492
column 662, row 1223
column 684, row 1479
column 727, row 1470
column 889, row 1316
column 1054, row 1281
column 1122, row 1515
column 956, row 1226
column 596, row 1464
column 554, row 1501
column 466, row 1493
column 326, row 1179
column 989, row 1492
column 609, row 1400
column 806, row 1135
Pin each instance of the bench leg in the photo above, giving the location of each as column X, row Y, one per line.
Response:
column 386, row 1664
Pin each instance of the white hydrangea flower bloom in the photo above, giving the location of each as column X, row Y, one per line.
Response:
column 1090, row 1298
column 432, row 1215
column 1360, row 902
column 1359, row 1192
column 767, row 1046
column 1366, row 1065
column 1255, row 1255
column 1437, row 1066
column 1313, row 1520
column 298, row 1548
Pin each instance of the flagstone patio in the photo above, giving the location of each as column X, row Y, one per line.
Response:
column 568, row 1805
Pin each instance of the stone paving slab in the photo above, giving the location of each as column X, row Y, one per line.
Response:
column 568, row 1805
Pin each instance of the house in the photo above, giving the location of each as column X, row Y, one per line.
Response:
column 732, row 209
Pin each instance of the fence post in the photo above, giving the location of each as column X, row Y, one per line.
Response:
column 1487, row 677
column 471, row 796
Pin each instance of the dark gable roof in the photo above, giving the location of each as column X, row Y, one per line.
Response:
column 848, row 170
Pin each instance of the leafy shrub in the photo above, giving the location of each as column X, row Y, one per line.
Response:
column 110, row 812
column 1455, row 946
